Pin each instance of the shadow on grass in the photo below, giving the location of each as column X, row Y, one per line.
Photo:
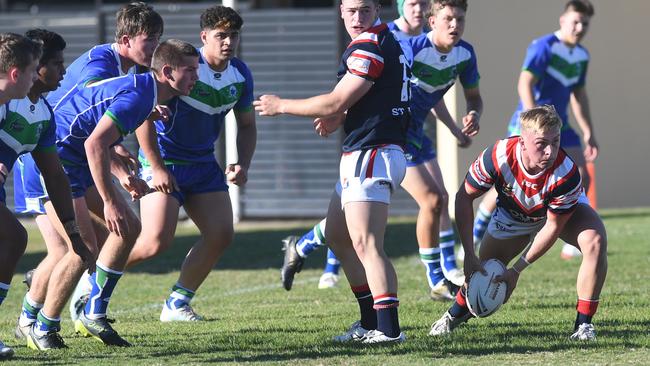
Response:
column 251, row 250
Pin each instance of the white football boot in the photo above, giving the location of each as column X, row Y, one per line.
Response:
column 447, row 324
column 375, row 337
column 80, row 296
column 356, row 333
column 328, row 280
column 182, row 314
column 585, row 332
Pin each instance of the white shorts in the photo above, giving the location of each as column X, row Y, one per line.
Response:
column 371, row 175
column 502, row 226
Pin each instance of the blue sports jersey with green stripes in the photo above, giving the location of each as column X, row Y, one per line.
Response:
column 127, row 100
column 197, row 119
column 559, row 69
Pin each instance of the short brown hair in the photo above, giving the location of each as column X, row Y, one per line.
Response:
column 138, row 18
column 436, row 5
column 171, row 52
column 17, row 51
column 580, row 6
column 540, row 119
column 219, row 16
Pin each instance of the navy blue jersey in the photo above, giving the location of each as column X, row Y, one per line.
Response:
column 381, row 116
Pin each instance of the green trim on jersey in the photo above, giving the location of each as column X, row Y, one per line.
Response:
column 432, row 74
column 145, row 163
column 20, row 134
column 119, row 126
column 208, row 99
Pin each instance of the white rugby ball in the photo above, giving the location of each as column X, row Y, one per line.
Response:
column 484, row 297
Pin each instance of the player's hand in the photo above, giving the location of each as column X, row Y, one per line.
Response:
column 591, row 149
column 463, row 140
column 129, row 160
column 325, row 126
column 268, row 105
column 160, row 112
column 4, row 172
column 115, row 215
column 80, row 248
column 472, row 264
column 164, row 181
column 136, row 187
column 236, row 174
column 510, row 277
column 470, row 124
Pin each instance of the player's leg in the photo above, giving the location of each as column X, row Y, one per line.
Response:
column 35, row 296
column 341, row 245
column 497, row 245
column 65, row 274
column 159, row 214
column 585, row 230
column 447, row 236
column 109, row 269
column 419, row 183
column 330, row 276
column 212, row 214
column 13, row 241
column 297, row 249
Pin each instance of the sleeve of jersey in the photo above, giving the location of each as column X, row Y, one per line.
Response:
column 481, row 173
column 469, row 76
column 96, row 70
column 245, row 102
column 128, row 110
column 536, row 59
column 565, row 196
column 365, row 60
column 47, row 141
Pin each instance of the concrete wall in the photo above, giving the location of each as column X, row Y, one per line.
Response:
column 500, row 31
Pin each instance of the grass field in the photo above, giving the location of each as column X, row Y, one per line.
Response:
column 251, row 319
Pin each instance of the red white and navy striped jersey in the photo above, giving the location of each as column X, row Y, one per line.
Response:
column 381, row 116
column 526, row 197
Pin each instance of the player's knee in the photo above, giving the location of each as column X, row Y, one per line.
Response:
column 593, row 245
column 432, row 204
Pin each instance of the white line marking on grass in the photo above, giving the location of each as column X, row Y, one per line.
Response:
column 239, row 291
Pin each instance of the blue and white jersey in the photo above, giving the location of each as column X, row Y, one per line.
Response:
column 197, row 119
column 99, row 63
column 381, row 116
column 25, row 127
column 559, row 69
column 128, row 100
column 403, row 39
column 434, row 73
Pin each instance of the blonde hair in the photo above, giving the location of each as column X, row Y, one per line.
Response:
column 540, row 119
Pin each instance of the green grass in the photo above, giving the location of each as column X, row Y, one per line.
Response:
column 251, row 319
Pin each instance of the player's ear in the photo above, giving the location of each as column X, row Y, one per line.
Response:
column 204, row 36
column 125, row 40
column 13, row 73
column 167, row 71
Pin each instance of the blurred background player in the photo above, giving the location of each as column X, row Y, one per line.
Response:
column 185, row 171
column 540, row 196
column 28, row 126
column 554, row 72
column 85, row 131
column 371, row 101
column 440, row 56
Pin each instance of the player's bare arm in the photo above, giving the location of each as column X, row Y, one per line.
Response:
column 163, row 181
column 525, row 89
column 346, row 93
column 464, row 220
column 474, row 111
column 581, row 111
column 99, row 156
column 441, row 112
column 237, row 173
column 58, row 188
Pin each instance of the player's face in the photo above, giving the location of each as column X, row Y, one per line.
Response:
column 448, row 25
column 142, row 47
column 51, row 74
column 185, row 76
column 358, row 15
column 414, row 11
column 24, row 80
column 573, row 27
column 220, row 44
column 539, row 149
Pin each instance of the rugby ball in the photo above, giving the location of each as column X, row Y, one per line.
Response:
column 484, row 297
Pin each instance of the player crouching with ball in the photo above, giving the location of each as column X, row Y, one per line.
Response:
column 540, row 195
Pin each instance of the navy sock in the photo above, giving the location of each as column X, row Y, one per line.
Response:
column 366, row 303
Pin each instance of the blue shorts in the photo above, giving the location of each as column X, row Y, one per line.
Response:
column 29, row 189
column 80, row 179
column 415, row 156
column 192, row 179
